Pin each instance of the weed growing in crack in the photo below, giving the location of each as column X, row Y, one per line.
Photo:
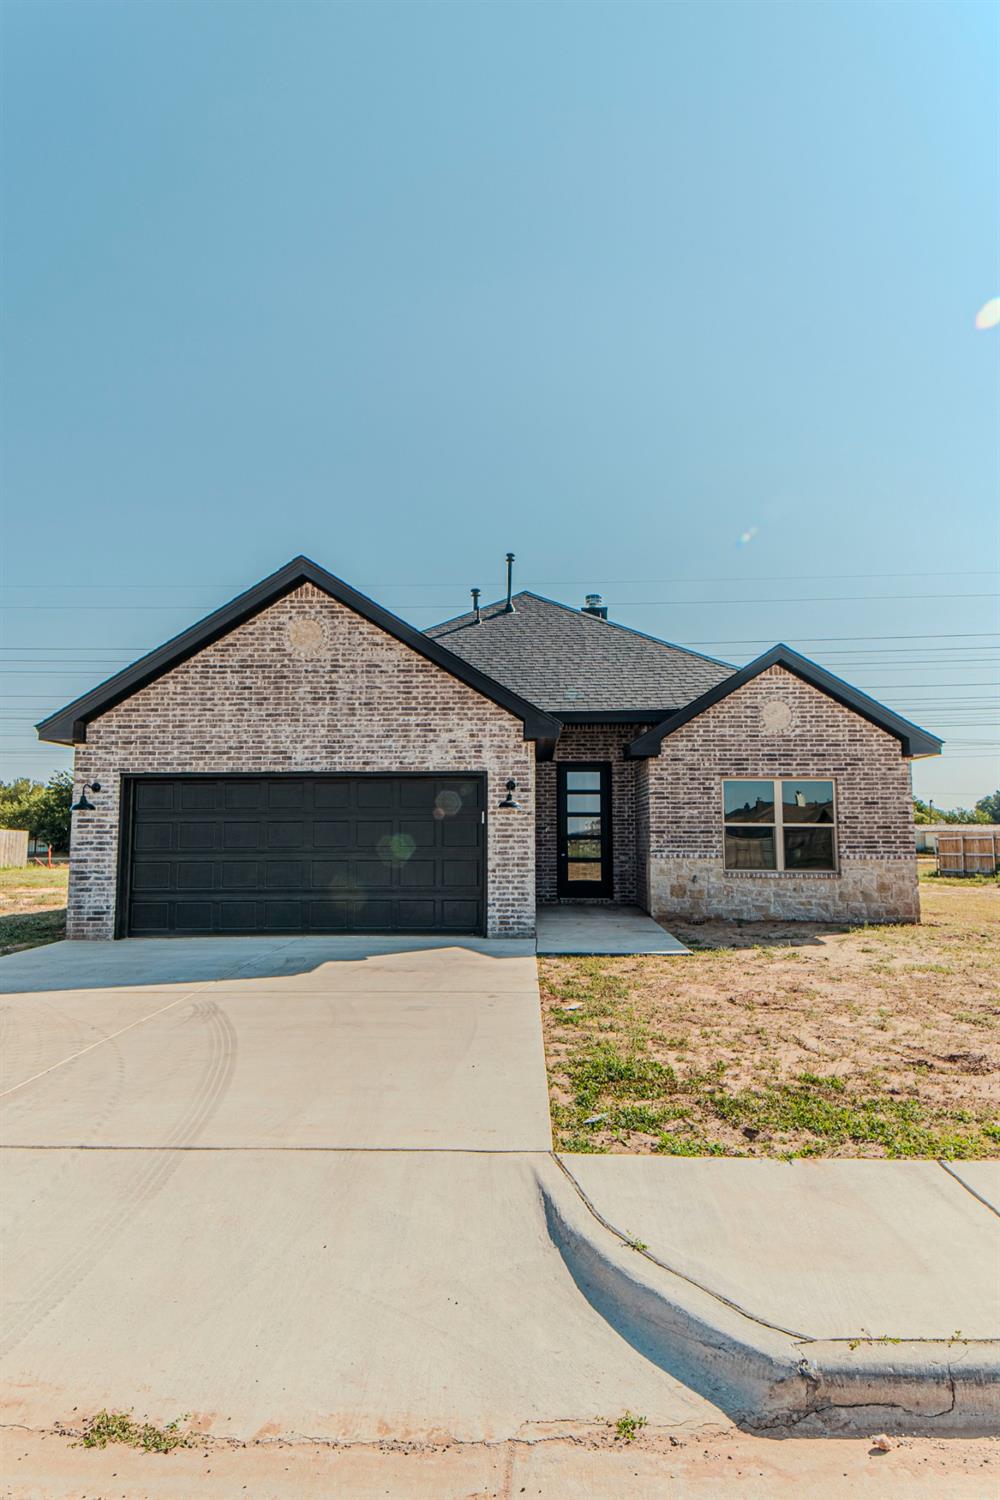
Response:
column 120, row 1427
column 628, row 1427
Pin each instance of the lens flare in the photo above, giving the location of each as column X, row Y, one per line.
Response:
column 747, row 536
column 988, row 315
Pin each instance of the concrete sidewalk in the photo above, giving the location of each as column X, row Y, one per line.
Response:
column 825, row 1249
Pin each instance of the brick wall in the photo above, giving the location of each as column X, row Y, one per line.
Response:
column 778, row 725
column 306, row 685
column 596, row 742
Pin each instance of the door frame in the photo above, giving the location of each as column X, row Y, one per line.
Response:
column 126, row 821
column 604, row 888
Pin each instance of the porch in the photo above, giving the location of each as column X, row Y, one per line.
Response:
column 611, row 930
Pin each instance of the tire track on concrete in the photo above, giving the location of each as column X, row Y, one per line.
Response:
column 146, row 1181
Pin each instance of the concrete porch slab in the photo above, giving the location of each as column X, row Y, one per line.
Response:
column 601, row 930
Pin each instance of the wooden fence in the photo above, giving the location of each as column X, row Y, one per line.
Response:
column 967, row 853
column 13, row 846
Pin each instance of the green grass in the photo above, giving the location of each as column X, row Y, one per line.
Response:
column 120, row 1427
column 808, row 1115
column 32, row 929
column 932, row 877
column 34, row 886
column 19, row 877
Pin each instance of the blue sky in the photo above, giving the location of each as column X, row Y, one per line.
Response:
column 674, row 301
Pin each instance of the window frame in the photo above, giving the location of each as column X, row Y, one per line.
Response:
column 779, row 825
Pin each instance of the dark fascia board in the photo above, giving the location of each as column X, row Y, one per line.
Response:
column 913, row 740
column 612, row 715
column 69, row 725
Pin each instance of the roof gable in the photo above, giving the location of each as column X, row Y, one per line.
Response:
column 69, row 725
column 577, row 666
column 914, row 741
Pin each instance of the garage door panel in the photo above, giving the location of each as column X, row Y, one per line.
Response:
column 328, row 916
column 459, row 835
column 331, row 794
column 155, row 837
column 151, row 916
column 155, row 796
column 198, row 796
column 238, row 916
column 423, row 831
column 283, row 916
column 456, row 915
column 196, row 835
column 285, row 795
column 407, row 855
column 241, row 835
column 417, row 916
column 281, row 835
column 194, row 916
column 244, row 796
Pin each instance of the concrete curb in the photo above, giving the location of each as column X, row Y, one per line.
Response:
column 761, row 1376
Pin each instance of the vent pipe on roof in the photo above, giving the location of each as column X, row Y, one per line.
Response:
column 475, row 604
column 510, row 583
column 594, row 606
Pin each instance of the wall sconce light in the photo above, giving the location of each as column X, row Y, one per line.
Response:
column 509, row 802
column 84, row 805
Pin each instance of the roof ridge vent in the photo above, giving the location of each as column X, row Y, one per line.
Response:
column 593, row 606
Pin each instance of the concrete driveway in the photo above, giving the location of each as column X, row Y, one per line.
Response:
column 292, row 1188
column 303, row 1191
column 335, row 1043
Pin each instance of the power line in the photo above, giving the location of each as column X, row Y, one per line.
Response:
column 807, row 640
column 548, row 582
column 615, row 604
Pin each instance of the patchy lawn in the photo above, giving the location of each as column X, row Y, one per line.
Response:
column 787, row 1040
column 32, row 906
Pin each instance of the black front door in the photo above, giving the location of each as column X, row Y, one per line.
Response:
column 584, row 823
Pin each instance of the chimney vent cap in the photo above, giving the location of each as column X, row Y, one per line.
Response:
column 594, row 606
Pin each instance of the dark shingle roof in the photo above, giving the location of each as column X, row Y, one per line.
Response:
column 570, row 662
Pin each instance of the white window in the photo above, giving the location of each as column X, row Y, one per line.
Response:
column 785, row 825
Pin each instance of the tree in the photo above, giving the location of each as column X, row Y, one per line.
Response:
column 42, row 810
column 989, row 806
column 924, row 812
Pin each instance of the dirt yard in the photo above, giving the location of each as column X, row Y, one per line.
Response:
column 32, row 906
column 797, row 1040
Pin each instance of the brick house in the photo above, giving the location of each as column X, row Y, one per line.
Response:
column 303, row 761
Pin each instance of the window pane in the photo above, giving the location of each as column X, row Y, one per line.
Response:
column 749, row 801
column 583, row 781
column 807, row 801
column 582, row 802
column 583, row 848
column 750, row 849
column 584, row 870
column 588, row 825
column 808, row 848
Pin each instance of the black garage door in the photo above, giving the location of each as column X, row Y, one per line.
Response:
column 252, row 854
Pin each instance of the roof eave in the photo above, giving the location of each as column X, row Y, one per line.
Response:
column 915, row 743
column 68, row 726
